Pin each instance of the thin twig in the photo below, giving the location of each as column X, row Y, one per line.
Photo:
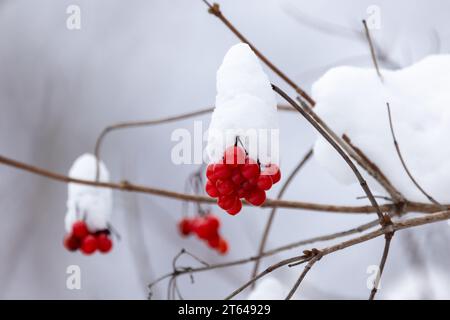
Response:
column 402, row 160
column 357, row 155
column 269, row 222
column 335, row 145
column 303, row 275
column 387, row 245
column 396, row 195
column 372, row 50
column 215, row 10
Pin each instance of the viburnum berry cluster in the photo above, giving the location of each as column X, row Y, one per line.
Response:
column 206, row 228
column 87, row 242
column 237, row 176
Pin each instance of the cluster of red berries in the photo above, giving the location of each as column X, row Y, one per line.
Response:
column 207, row 229
column 81, row 238
column 236, row 177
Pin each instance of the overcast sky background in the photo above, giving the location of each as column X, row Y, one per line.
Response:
column 146, row 59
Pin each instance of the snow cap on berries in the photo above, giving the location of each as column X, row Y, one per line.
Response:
column 245, row 107
column 92, row 204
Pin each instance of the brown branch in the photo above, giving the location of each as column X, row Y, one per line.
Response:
column 336, row 146
column 270, row 203
column 372, row 50
column 387, row 244
column 409, row 223
column 268, row 226
column 303, row 275
column 376, row 173
column 402, row 160
column 373, row 170
column 215, row 10
column 327, row 237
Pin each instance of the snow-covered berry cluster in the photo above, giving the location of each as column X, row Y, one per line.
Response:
column 88, row 216
column 206, row 228
column 87, row 242
column 237, row 176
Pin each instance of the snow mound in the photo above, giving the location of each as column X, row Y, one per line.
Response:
column 245, row 107
column 268, row 289
column 271, row 288
column 86, row 202
column 353, row 102
column 418, row 285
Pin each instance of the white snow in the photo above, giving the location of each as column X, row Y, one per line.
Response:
column 245, row 106
column 270, row 288
column 418, row 284
column 353, row 101
column 86, row 202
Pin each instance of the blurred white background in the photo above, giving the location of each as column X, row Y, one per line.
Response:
column 146, row 59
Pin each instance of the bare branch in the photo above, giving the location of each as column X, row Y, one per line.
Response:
column 336, row 146
column 409, row 223
column 372, row 50
column 387, row 245
column 215, row 10
column 286, row 184
column 270, row 203
column 402, row 160
column 357, row 155
column 303, row 275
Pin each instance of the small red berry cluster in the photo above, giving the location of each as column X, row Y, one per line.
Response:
column 88, row 242
column 236, row 177
column 206, row 228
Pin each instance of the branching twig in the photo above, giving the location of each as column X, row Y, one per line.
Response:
column 402, row 160
column 357, row 155
column 335, row 145
column 409, row 223
column 215, row 10
column 265, row 235
column 303, row 275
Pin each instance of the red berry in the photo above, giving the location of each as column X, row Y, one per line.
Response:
column 234, row 156
column 221, row 171
column 253, row 181
column 89, row 245
column 274, row 172
column 227, row 202
column 237, row 177
column 71, row 242
column 213, row 221
column 247, row 186
column 211, row 189
column 256, row 197
column 242, row 193
column 185, row 227
column 104, row 243
column 80, row 229
column 214, row 242
column 236, row 208
column 223, row 246
column 264, row 182
column 225, row 187
column 204, row 230
column 250, row 169
column 210, row 172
